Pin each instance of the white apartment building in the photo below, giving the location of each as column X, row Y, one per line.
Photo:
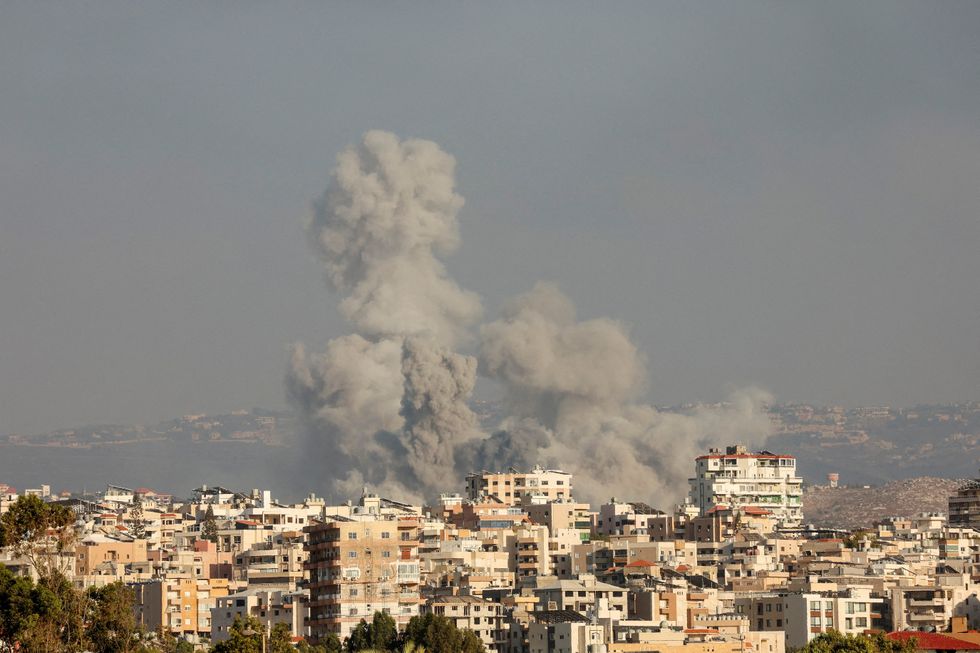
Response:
column 738, row 479
column 805, row 615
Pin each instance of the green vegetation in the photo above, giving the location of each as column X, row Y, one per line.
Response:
column 209, row 528
column 51, row 616
column 836, row 642
column 43, row 533
column 139, row 521
column 423, row 634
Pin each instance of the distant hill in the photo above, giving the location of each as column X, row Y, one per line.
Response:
column 875, row 445
column 255, row 448
column 854, row 507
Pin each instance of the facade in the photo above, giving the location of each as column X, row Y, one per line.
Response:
column 269, row 606
column 179, row 605
column 360, row 566
column 738, row 479
column 515, row 488
column 964, row 506
column 804, row 615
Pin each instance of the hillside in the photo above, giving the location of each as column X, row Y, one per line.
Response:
column 852, row 507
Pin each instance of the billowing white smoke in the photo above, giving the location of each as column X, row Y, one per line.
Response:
column 391, row 207
column 389, row 406
column 579, row 382
column 384, row 406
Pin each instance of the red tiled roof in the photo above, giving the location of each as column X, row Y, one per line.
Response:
column 682, row 568
column 642, row 563
column 755, row 510
column 933, row 641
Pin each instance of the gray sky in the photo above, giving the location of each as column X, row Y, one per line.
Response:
column 781, row 194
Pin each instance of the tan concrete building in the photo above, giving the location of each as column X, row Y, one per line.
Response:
column 359, row 567
column 515, row 488
column 98, row 554
column 180, row 605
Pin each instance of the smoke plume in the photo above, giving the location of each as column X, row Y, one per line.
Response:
column 578, row 383
column 388, row 406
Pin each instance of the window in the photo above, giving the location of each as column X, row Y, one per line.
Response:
column 814, row 621
column 861, row 622
column 385, row 535
column 814, row 605
column 352, row 535
column 352, row 554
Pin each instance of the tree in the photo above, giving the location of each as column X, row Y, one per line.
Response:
column 329, row 643
column 209, row 529
column 835, row 642
column 245, row 636
column 112, row 622
column 280, row 639
column 40, row 617
column 359, row 638
column 165, row 642
column 136, row 515
column 378, row 636
column 384, row 632
column 41, row 532
column 438, row 634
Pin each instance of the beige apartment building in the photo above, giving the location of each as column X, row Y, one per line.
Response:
column 357, row 567
column 99, row 555
column 270, row 606
column 181, row 605
column 516, row 488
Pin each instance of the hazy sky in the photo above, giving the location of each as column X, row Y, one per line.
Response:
column 780, row 194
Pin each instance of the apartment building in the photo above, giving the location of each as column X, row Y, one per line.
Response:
column 484, row 618
column 98, row 555
column 180, row 605
column 516, row 488
column 964, row 506
column 738, row 480
column 279, row 562
column 804, row 615
column 269, row 606
column 580, row 595
column 358, row 566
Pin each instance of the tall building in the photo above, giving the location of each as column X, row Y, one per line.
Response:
column 964, row 506
column 738, row 479
column 515, row 488
column 361, row 565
